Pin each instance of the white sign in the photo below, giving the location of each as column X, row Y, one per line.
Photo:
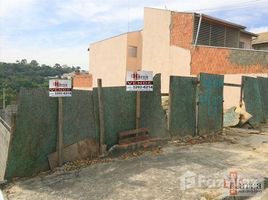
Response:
column 139, row 81
column 60, row 88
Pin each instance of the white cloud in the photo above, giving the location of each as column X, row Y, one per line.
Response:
column 60, row 31
column 9, row 7
column 259, row 29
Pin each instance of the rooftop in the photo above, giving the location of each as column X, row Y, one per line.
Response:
column 262, row 38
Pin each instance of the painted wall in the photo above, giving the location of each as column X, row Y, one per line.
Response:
column 247, row 39
column 158, row 56
column 232, row 94
column 107, row 60
column 134, row 39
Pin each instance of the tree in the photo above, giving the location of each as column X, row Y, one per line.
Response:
column 34, row 63
column 23, row 61
column 57, row 65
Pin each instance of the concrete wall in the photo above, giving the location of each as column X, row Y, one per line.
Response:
column 158, row 56
column 107, row 60
column 134, row 39
column 5, row 135
column 263, row 46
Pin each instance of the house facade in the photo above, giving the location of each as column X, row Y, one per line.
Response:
column 261, row 42
column 183, row 44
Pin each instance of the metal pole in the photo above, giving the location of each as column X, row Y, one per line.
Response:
column 198, row 29
column 138, row 109
column 101, row 117
column 60, row 131
column 241, row 93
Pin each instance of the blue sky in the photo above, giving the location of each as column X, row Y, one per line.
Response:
column 60, row 31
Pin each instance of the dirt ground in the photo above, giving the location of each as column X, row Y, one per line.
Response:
column 156, row 174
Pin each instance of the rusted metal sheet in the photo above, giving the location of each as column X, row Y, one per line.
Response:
column 263, row 86
column 252, row 99
column 210, row 109
column 182, row 106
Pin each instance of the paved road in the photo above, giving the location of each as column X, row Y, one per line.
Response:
column 153, row 176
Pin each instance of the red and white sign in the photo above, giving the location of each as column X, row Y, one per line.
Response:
column 139, row 81
column 60, row 88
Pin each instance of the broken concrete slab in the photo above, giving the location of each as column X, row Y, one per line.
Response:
column 235, row 116
column 231, row 118
column 244, row 115
column 81, row 150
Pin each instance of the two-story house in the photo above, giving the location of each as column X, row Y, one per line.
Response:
column 179, row 43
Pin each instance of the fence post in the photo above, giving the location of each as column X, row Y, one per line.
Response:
column 101, row 117
column 138, row 109
column 60, row 130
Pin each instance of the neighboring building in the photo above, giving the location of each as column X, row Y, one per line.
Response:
column 82, row 80
column 110, row 58
column 179, row 43
column 261, row 42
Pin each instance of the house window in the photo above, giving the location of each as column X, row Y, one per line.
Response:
column 132, row 51
column 242, row 45
column 213, row 34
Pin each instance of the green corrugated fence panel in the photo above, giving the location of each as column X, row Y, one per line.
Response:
column 79, row 121
column 210, row 109
column 152, row 113
column 119, row 112
column 263, row 86
column 35, row 135
column 182, row 102
column 252, row 99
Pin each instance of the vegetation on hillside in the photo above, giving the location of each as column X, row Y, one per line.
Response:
column 22, row 74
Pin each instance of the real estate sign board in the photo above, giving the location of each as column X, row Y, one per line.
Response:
column 139, row 81
column 60, row 88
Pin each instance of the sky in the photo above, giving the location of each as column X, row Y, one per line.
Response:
column 60, row 31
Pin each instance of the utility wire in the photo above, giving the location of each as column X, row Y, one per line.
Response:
column 231, row 6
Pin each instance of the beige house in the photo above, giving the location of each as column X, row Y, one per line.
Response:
column 179, row 43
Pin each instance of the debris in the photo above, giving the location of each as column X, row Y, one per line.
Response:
column 231, row 118
column 235, row 116
column 78, row 164
column 244, row 115
column 78, row 151
column 246, row 131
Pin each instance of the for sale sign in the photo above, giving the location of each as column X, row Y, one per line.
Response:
column 60, row 88
column 139, row 81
